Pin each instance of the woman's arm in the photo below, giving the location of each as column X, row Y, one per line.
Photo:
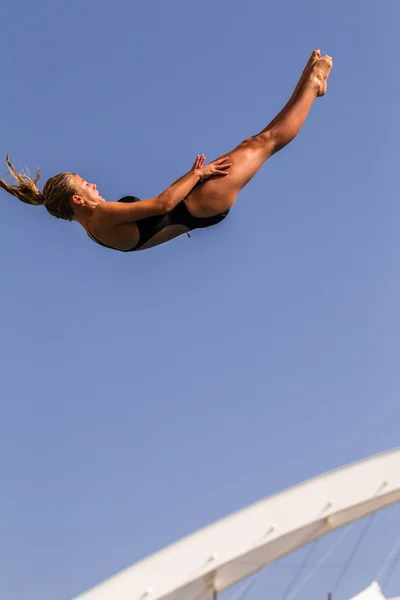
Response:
column 116, row 213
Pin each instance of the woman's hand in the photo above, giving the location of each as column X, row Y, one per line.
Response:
column 217, row 167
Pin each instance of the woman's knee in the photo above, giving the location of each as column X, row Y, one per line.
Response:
column 266, row 141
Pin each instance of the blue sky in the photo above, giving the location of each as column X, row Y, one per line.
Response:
column 146, row 395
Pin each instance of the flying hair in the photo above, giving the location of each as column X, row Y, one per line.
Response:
column 56, row 194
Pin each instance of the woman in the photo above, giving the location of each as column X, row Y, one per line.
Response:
column 201, row 198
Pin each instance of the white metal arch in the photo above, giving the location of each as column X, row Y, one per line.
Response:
column 373, row 592
column 218, row 556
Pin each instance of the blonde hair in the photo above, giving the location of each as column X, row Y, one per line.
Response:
column 56, row 194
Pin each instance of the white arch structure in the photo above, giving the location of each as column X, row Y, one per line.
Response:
column 373, row 592
column 218, row 556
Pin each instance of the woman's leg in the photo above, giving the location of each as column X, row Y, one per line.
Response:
column 217, row 195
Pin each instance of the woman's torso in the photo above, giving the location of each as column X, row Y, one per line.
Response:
column 140, row 235
column 151, row 231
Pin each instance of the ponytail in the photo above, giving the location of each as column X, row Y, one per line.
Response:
column 56, row 195
column 27, row 190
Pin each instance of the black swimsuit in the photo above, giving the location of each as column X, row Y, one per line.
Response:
column 151, row 225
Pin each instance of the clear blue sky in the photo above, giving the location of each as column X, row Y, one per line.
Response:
column 145, row 395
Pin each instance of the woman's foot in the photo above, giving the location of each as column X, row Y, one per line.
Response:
column 316, row 55
column 305, row 74
column 318, row 76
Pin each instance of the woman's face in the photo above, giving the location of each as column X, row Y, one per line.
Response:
column 86, row 192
